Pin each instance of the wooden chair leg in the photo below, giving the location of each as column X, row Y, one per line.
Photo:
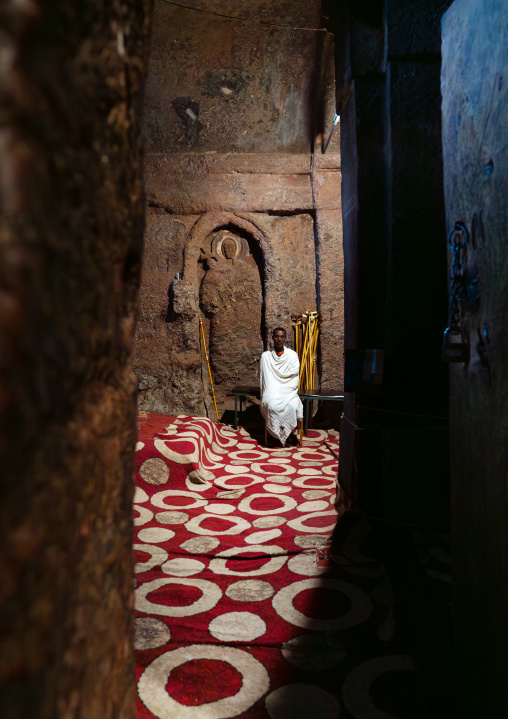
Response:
column 300, row 431
column 266, row 433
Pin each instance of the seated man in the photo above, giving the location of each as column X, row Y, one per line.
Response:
column 279, row 373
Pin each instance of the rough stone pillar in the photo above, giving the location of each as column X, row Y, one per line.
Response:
column 326, row 200
column 71, row 228
column 330, row 267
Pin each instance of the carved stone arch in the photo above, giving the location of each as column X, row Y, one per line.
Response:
column 272, row 265
column 203, row 228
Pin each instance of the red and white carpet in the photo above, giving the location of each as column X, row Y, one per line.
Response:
column 242, row 607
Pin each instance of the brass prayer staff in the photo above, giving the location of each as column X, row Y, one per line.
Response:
column 208, row 365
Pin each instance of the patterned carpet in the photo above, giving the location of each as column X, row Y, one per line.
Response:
column 249, row 601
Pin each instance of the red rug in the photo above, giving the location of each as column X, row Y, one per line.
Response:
column 241, row 609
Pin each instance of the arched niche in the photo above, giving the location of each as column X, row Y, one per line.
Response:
column 266, row 256
column 232, row 305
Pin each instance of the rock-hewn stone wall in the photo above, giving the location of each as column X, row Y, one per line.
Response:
column 70, row 254
column 234, row 109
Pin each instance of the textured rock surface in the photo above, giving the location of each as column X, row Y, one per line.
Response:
column 168, row 358
column 234, row 111
column 238, row 86
column 70, row 254
column 475, row 148
column 231, row 296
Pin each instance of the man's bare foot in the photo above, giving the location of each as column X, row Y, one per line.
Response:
column 292, row 440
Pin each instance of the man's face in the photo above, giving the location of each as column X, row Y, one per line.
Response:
column 279, row 338
column 229, row 249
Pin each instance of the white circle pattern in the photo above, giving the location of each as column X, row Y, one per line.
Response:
column 250, row 590
column 150, row 633
column 315, row 494
column 218, row 563
column 157, row 556
column 265, row 522
column 211, row 594
column 172, row 517
column 288, row 503
column 300, row 526
column 236, row 469
column 220, row 508
column 313, row 506
column 310, row 540
column 145, row 515
column 140, row 496
column 360, row 611
column 306, row 482
column 152, row 683
column 265, row 536
column 258, row 468
column 276, row 489
column 228, row 482
column 278, row 480
column 254, row 455
column 155, row 535
column 239, row 524
column 306, row 563
column 183, row 567
column 158, row 500
column 200, row 545
column 237, row 627
column 312, row 456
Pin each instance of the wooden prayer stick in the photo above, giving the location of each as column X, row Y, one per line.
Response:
column 208, row 365
column 308, row 359
column 303, row 360
column 314, row 356
column 308, row 366
column 310, row 355
column 305, row 353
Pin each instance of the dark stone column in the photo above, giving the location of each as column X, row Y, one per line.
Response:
column 70, row 253
column 394, row 443
column 395, row 257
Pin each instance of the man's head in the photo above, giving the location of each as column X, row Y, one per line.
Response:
column 228, row 248
column 279, row 337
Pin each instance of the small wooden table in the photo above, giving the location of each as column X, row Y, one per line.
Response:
column 323, row 395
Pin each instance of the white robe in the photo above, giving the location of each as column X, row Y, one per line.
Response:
column 280, row 404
